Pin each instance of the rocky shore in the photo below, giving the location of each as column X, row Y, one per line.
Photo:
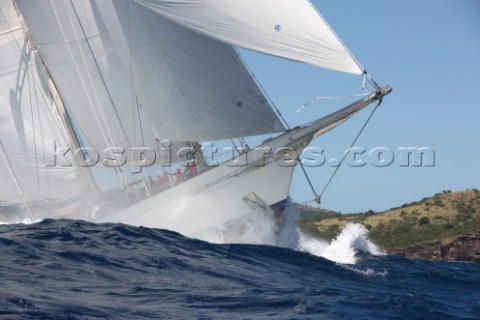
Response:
column 443, row 227
column 462, row 249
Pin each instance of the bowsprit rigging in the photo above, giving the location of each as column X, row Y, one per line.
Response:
column 318, row 197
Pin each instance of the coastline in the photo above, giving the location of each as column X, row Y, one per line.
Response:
column 444, row 227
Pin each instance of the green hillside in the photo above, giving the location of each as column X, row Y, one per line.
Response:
column 443, row 217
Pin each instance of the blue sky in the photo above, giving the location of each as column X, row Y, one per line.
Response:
column 428, row 51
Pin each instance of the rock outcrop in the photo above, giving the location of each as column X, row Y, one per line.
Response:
column 462, row 249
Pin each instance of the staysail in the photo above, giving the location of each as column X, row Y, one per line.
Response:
column 291, row 29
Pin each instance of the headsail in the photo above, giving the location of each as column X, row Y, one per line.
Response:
column 291, row 29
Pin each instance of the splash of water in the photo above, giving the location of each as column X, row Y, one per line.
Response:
column 344, row 248
column 258, row 227
column 21, row 221
column 261, row 227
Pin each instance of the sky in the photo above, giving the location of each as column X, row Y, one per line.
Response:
column 428, row 52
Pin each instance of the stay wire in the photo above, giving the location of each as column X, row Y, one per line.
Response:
column 318, row 197
column 351, row 145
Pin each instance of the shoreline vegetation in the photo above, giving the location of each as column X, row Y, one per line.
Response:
column 444, row 227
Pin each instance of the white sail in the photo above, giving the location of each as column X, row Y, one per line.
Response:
column 28, row 129
column 132, row 78
column 291, row 29
column 141, row 73
column 95, row 99
column 196, row 88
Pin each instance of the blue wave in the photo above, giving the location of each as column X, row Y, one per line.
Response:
column 62, row 269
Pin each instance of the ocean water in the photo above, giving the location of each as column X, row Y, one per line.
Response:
column 64, row 269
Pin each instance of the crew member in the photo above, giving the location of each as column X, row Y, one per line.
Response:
column 191, row 170
column 178, row 175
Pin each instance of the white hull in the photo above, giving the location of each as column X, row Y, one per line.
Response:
column 260, row 177
column 210, row 199
column 218, row 195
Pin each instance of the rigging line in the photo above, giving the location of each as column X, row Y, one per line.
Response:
column 54, row 95
column 15, row 180
column 130, row 72
column 145, row 178
column 317, row 197
column 368, row 77
column 351, row 145
column 110, row 136
column 95, row 93
column 119, row 172
column 140, row 121
column 234, row 144
column 331, row 98
column 79, row 77
column 4, row 154
column 10, row 31
column 30, row 73
column 12, row 39
column 99, row 71
column 27, row 69
column 40, row 124
column 8, row 28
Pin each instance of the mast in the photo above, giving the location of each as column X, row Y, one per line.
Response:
column 60, row 107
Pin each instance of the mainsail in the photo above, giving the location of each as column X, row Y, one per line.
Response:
column 28, row 127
